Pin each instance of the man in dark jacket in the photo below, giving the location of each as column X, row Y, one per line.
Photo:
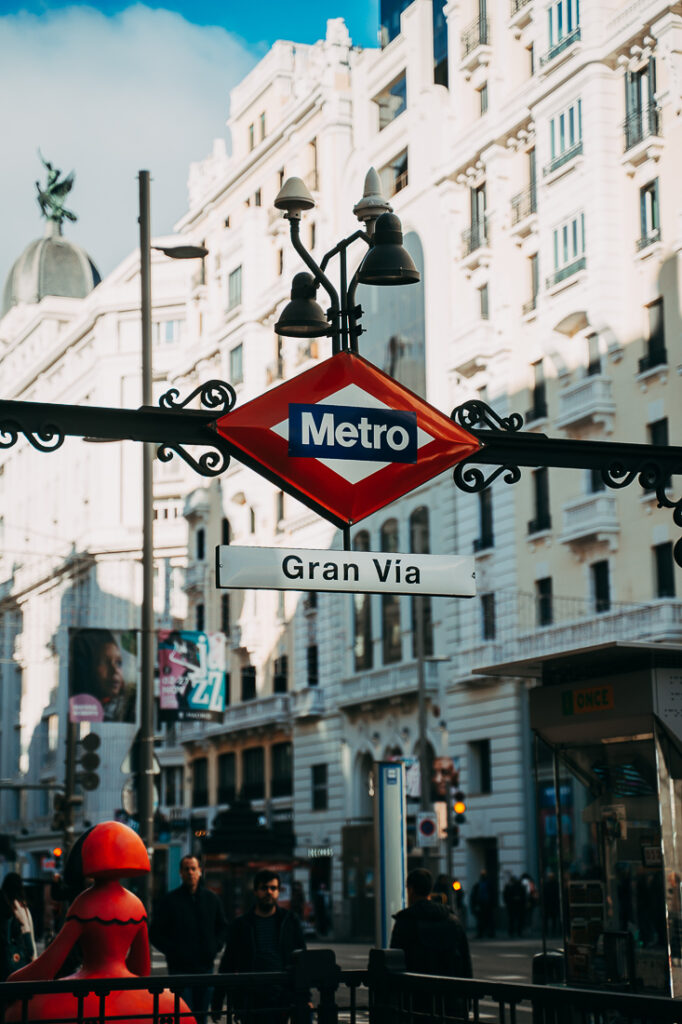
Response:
column 263, row 939
column 189, row 928
column 433, row 941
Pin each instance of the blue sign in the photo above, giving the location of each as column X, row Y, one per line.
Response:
column 350, row 432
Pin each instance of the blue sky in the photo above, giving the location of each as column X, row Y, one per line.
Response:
column 96, row 87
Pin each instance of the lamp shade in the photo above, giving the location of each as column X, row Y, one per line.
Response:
column 303, row 316
column 294, row 197
column 388, row 262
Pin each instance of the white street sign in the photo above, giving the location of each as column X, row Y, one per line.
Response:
column 357, row 572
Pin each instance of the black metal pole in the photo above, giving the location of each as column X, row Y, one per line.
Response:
column 145, row 794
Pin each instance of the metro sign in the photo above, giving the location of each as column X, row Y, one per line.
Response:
column 344, row 438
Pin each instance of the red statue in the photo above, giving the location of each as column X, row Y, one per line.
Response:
column 110, row 924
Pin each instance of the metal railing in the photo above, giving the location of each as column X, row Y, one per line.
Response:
column 477, row 34
column 475, row 237
column 648, row 239
column 640, row 125
column 315, row 991
column 516, row 6
column 563, row 158
column 567, row 271
column 529, row 306
column 524, row 204
column 559, row 47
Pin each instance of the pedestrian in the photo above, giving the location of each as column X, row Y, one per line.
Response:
column 17, row 939
column 483, row 907
column 514, row 896
column 189, row 928
column 531, row 898
column 442, row 887
column 434, row 942
column 265, row 938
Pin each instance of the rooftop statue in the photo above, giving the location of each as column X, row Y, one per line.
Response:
column 51, row 199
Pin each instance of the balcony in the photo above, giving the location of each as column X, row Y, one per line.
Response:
column 655, row 358
column 563, row 158
column 520, row 15
column 642, row 137
column 307, row 703
column 524, row 207
column 476, row 250
column 261, row 713
column 565, row 272
column 562, row 47
column 529, row 307
column 474, row 348
column 589, row 399
column 650, row 238
column 195, row 577
column 389, row 684
column 475, row 43
column 590, row 517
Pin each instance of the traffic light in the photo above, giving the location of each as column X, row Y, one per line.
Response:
column 454, row 835
column 59, row 805
column 88, row 760
column 459, row 807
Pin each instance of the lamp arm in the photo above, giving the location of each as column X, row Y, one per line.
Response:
column 318, row 272
column 354, row 329
column 343, row 244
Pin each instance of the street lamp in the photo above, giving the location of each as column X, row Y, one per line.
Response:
column 145, row 794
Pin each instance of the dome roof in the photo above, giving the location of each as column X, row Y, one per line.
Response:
column 50, row 265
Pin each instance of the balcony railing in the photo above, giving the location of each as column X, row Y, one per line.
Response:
column 650, row 238
column 640, row 125
column 524, row 204
column 516, row 6
column 563, row 158
column 529, row 306
column 387, row 684
column 474, row 237
column 656, row 356
column 571, row 268
column 585, row 399
column 559, row 47
column 589, row 516
column 477, row 34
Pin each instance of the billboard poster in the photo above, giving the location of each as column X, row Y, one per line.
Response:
column 191, row 675
column 103, row 675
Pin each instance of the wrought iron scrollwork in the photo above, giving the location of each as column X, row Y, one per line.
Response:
column 212, row 463
column 478, row 414
column 472, row 479
column 213, row 394
column 47, row 439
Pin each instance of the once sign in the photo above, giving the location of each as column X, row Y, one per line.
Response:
column 361, row 572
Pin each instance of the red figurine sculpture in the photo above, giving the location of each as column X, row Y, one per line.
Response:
column 110, row 924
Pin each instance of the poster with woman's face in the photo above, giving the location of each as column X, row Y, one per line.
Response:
column 191, row 675
column 103, row 675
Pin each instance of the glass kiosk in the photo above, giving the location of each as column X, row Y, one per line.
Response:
column 608, row 726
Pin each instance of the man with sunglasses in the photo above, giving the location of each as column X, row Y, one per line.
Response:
column 263, row 939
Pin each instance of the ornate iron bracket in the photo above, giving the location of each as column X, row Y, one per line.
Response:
column 217, row 395
column 507, row 447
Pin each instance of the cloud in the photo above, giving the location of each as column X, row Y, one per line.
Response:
column 108, row 96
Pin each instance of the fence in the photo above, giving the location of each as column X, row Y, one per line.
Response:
column 316, row 991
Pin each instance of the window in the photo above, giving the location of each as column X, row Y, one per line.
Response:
column 542, row 519
column 601, row 586
column 420, row 544
column 649, row 223
column 279, row 507
column 234, row 288
column 596, row 481
column 483, row 302
column 479, row 765
column 319, row 787
column 593, row 355
column 565, row 136
column 658, row 435
column 236, row 364
column 252, row 520
column 538, row 395
column 312, row 667
column 568, row 242
column 391, row 101
column 225, row 531
column 440, row 44
column 248, row 682
column 282, row 769
column 201, row 544
column 563, row 26
column 488, row 616
column 544, row 612
column 664, row 570
column 534, row 266
column 390, row 603
column 363, row 650
column 313, row 239
column 173, row 782
column 166, row 332
column 483, row 99
column 252, row 136
column 310, row 600
column 261, row 121
column 280, row 262
column 485, row 537
column 200, row 617
column 258, row 198
column 394, row 175
column 281, row 674
column 225, row 614
column 312, row 180
column 253, row 765
column 531, row 60
column 227, row 778
column 642, row 117
column 477, row 203
column 280, row 177
column 200, row 782
column 656, row 354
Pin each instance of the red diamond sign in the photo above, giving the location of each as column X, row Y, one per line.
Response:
column 345, row 438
